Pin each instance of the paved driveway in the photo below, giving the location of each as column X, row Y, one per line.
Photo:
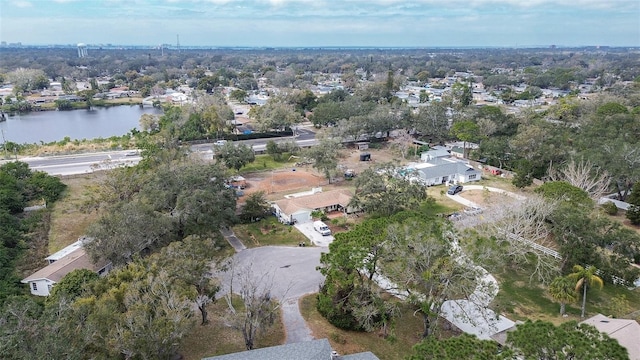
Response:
column 307, row 230
column 292, row 271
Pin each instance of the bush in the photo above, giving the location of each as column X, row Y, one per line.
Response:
column 335, row 312
column 610, row 208
column 633, row 214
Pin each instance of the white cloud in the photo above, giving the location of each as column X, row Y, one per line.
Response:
column 22, row 4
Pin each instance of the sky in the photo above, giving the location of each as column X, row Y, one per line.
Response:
column 323, row 23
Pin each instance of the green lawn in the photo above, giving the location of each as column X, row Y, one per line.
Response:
column 520, row 299
column 266, row 163
column 268, row 231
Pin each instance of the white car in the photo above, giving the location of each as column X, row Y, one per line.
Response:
column 219, row 142
column 322, row 228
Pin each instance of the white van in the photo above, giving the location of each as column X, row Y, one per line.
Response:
column 322, row 228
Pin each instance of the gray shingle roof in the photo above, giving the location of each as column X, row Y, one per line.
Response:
column 306, row 350
column 311, row 350
column 359, row 356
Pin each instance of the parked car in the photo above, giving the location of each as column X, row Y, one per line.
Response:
column 322, row 228
column 220, row 142
column 454, row 189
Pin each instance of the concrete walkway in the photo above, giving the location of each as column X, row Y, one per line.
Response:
column 232, row 239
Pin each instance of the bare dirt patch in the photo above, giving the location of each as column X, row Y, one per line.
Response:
column 351, row 159
column 279, row 182
column 289, row 180
column 485, row 198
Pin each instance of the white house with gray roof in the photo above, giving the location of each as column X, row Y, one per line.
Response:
column 438, row 167
column 442, row 171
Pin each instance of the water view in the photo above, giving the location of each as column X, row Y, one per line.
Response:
column 48, row 126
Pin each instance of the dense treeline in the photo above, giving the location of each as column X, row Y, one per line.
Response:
column 20, row 187
column 159, row 225
column 146, row 70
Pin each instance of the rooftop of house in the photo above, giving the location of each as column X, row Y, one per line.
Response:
column 64, row 252
column 627, row 332
column 318, row 200
column 77, row 259
column 306, row 350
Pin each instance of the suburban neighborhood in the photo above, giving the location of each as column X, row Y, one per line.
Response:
column 322, row 204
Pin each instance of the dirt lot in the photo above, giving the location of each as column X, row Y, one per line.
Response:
column 285, row 181
column 486, row 198
column 278, row 183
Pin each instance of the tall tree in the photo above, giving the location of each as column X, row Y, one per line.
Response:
column 255, row 207
column 465, row 346
column 157, row 316
column 383, row 192
column 543, row 340
column 563, row 290
column 126, row 231
column 467, row 131
column 189, row 262
column 258, row 309
column 420, row 259
column 461, row 94
column 584, row 278
column 324, row 156
column 236, row 156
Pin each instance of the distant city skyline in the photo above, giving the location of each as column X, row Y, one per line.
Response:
column 323, row 23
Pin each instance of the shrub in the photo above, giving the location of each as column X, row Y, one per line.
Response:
column 610, row 208
column 335, row 312
column 633, row 214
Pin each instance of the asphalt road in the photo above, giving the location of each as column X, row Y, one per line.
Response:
column 82, row 163
column 303, row 137
column 90, row 162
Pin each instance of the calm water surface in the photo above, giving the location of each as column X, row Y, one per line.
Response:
column 48, row 126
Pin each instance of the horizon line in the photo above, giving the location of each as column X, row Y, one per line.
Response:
column 263, row 47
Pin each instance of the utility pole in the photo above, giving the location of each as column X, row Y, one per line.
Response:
column 4, row 145
column 178, row 42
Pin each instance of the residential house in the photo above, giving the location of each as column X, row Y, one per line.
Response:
column 308, row 350
column 627, row 332
column 298, row 209
column 61, row 263
column 64, row 252
column 439, row 168
column 435, row 153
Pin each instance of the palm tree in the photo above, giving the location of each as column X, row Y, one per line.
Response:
column 562, row 290
column 585, row 278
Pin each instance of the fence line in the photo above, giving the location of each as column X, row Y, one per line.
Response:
column 543, row 249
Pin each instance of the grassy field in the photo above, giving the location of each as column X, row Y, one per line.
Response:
column 408, row 331
column 267, row 232
column 215, row 338
column 68, row 221
column 266, row 163
column 520, row 299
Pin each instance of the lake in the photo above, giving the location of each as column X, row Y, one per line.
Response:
column 48, row 126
